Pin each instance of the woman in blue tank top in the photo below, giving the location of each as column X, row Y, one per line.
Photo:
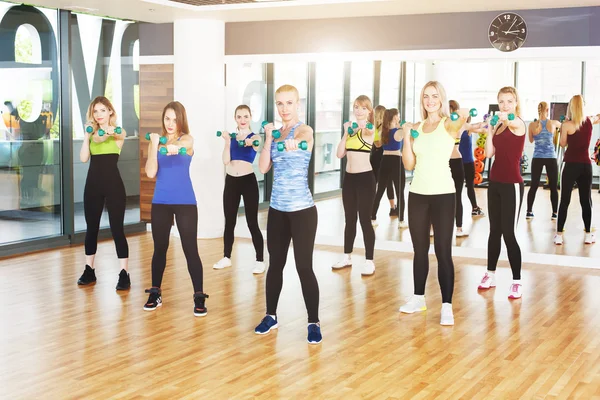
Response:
column 292, row 213
column 169, row 161
column 541, row 132
column 238, row 155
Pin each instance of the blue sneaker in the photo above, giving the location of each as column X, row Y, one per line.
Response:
column 314, row 334
column 266, row 325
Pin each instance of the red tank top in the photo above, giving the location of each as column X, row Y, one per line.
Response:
column 507, row 161
column 578, row 144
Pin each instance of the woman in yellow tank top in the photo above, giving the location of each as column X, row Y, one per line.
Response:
column 427, row 150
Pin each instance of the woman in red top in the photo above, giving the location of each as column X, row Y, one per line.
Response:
column 576, row 134
column 505, row 143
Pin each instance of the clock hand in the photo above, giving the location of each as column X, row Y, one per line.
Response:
column 513, row 24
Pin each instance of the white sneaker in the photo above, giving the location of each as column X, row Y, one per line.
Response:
column 516, row 291
column 431, row 232
column 558, row 239
column 374, row 222
column 488, row 281
column 259, row 267
column 416, row 303
column 461, row 233
column 447, row 318
column 368, row 268
column 590, row 238
column 346, row 262
column 223, row 263
column 402, row 225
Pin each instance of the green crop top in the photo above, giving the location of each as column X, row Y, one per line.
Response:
column 109, row 146
column 432, row 169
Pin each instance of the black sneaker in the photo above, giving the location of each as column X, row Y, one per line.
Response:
column 154, row 300
column 529, row 215
column 554, row 216
column 124, row 281
column 200, row 309
column 88, row 276
column 477, row 212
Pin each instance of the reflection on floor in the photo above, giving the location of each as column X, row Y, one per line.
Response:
column 535, row 236
column 61, row 341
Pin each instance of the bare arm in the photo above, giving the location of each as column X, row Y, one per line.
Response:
column 84, row 153
column 490, row 150
column 227, row 148
column 187, row 141
column 264, row 161
column 595, row 119
column 534, row 127
column 341, row 149
column 152, row 161
column 408, row 156
column 455, row 128
column 564, row 132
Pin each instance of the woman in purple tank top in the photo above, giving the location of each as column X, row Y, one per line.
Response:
column 576, row 135
column 505, row 142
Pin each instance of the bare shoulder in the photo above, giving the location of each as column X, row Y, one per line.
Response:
column 305, row 129
column 187, row 137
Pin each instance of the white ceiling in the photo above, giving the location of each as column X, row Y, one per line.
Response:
column 165, row 11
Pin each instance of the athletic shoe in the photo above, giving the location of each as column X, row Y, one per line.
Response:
column 431, row 232
column 488, row 281
column 154, row 300
column 461, row 233
column 529, row 215
column 394, row 212
column 124, row 281
column 88, row 276
column 266, row 325
column 414, row 304
column 447, row 318
column 516, row 291
column 223, row 263
column 200, row 309
column 259, row 267
column 477, row 212
column 346, row 262
column 402, row 225
column 554, row 216
column 558, row 240
column 368, row 268
column 374, row 222
column 314, row 334
column 590, row 238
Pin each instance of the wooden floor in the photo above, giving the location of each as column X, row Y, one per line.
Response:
column 60, row 341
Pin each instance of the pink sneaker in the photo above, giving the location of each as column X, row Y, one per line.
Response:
column 516, row 291
column 488, row 281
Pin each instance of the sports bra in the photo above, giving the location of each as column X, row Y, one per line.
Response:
column 357, row 143
column 392, row 144
column 246, row 153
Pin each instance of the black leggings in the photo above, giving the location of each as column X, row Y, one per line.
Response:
column 458, row 175
column 392, row 170
column 235, row 188
column 104, row 185
column 301, row 227
column 537, row 164
column 186, row 216
column 504, row 206
column 376, row 157
column 469, row 169
column 358, row 193
column 582, row 174
column 424, row 211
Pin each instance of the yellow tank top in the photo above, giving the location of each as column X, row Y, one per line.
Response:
column 377, row 136
column 432, row 169
column 357, row 143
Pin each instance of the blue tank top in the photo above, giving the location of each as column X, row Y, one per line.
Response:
column 392, row 144
column 544, row 146
column 465, row 148
column 246, row 153
column 290, row 178
column 173, row 182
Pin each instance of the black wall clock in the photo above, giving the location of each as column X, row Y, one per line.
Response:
column 507, row 32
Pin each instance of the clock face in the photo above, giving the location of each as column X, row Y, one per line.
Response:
column 507, row 32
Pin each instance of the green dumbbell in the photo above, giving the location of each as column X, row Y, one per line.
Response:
column 101, row 132
column 454, row 116
column 369, row 126
column 89, row 129
column 562, row 119
column 402, row 123
column 494, row 120
column 242, row 143
column 163, row 150
column 118, row 130
column 276, row 134
column 350, row 131
column 511, row 117
column 414, row 134
column 473, row 112
column 162, row 140
column 354, row 125
column 303, row 145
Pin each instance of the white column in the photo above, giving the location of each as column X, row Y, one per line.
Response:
column 199, row 58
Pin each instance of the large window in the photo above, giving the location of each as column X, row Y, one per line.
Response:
column 361, row 82
column 415, row 80
column 592, row 101
column 389, row 87
column 103, row 53
column 328, row 122
column 30, row 199
column 294, row 74
column 246, row 84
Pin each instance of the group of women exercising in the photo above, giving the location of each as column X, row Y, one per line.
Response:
column 378, row 148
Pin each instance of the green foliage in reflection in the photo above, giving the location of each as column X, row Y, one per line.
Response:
column 23, row 47
column 24, row 109
column 55, row 130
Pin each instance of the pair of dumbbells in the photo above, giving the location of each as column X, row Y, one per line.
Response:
column 241, row 143
column 472, row 112
column 101, row 132
column 495, row 119
column 163, row 141
column 352, row 130
column 303, row 145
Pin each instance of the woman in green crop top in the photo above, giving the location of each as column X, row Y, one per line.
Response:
column 427, row 149
column 102, row 144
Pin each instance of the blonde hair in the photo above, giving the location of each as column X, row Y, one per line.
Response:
column 106, row 103
column 378, row 116
column 288, row 89
column 365, row 101
column 454, row 106
column 513, row 91
column 576, row 110
column 443, row 111
column 542, row 108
